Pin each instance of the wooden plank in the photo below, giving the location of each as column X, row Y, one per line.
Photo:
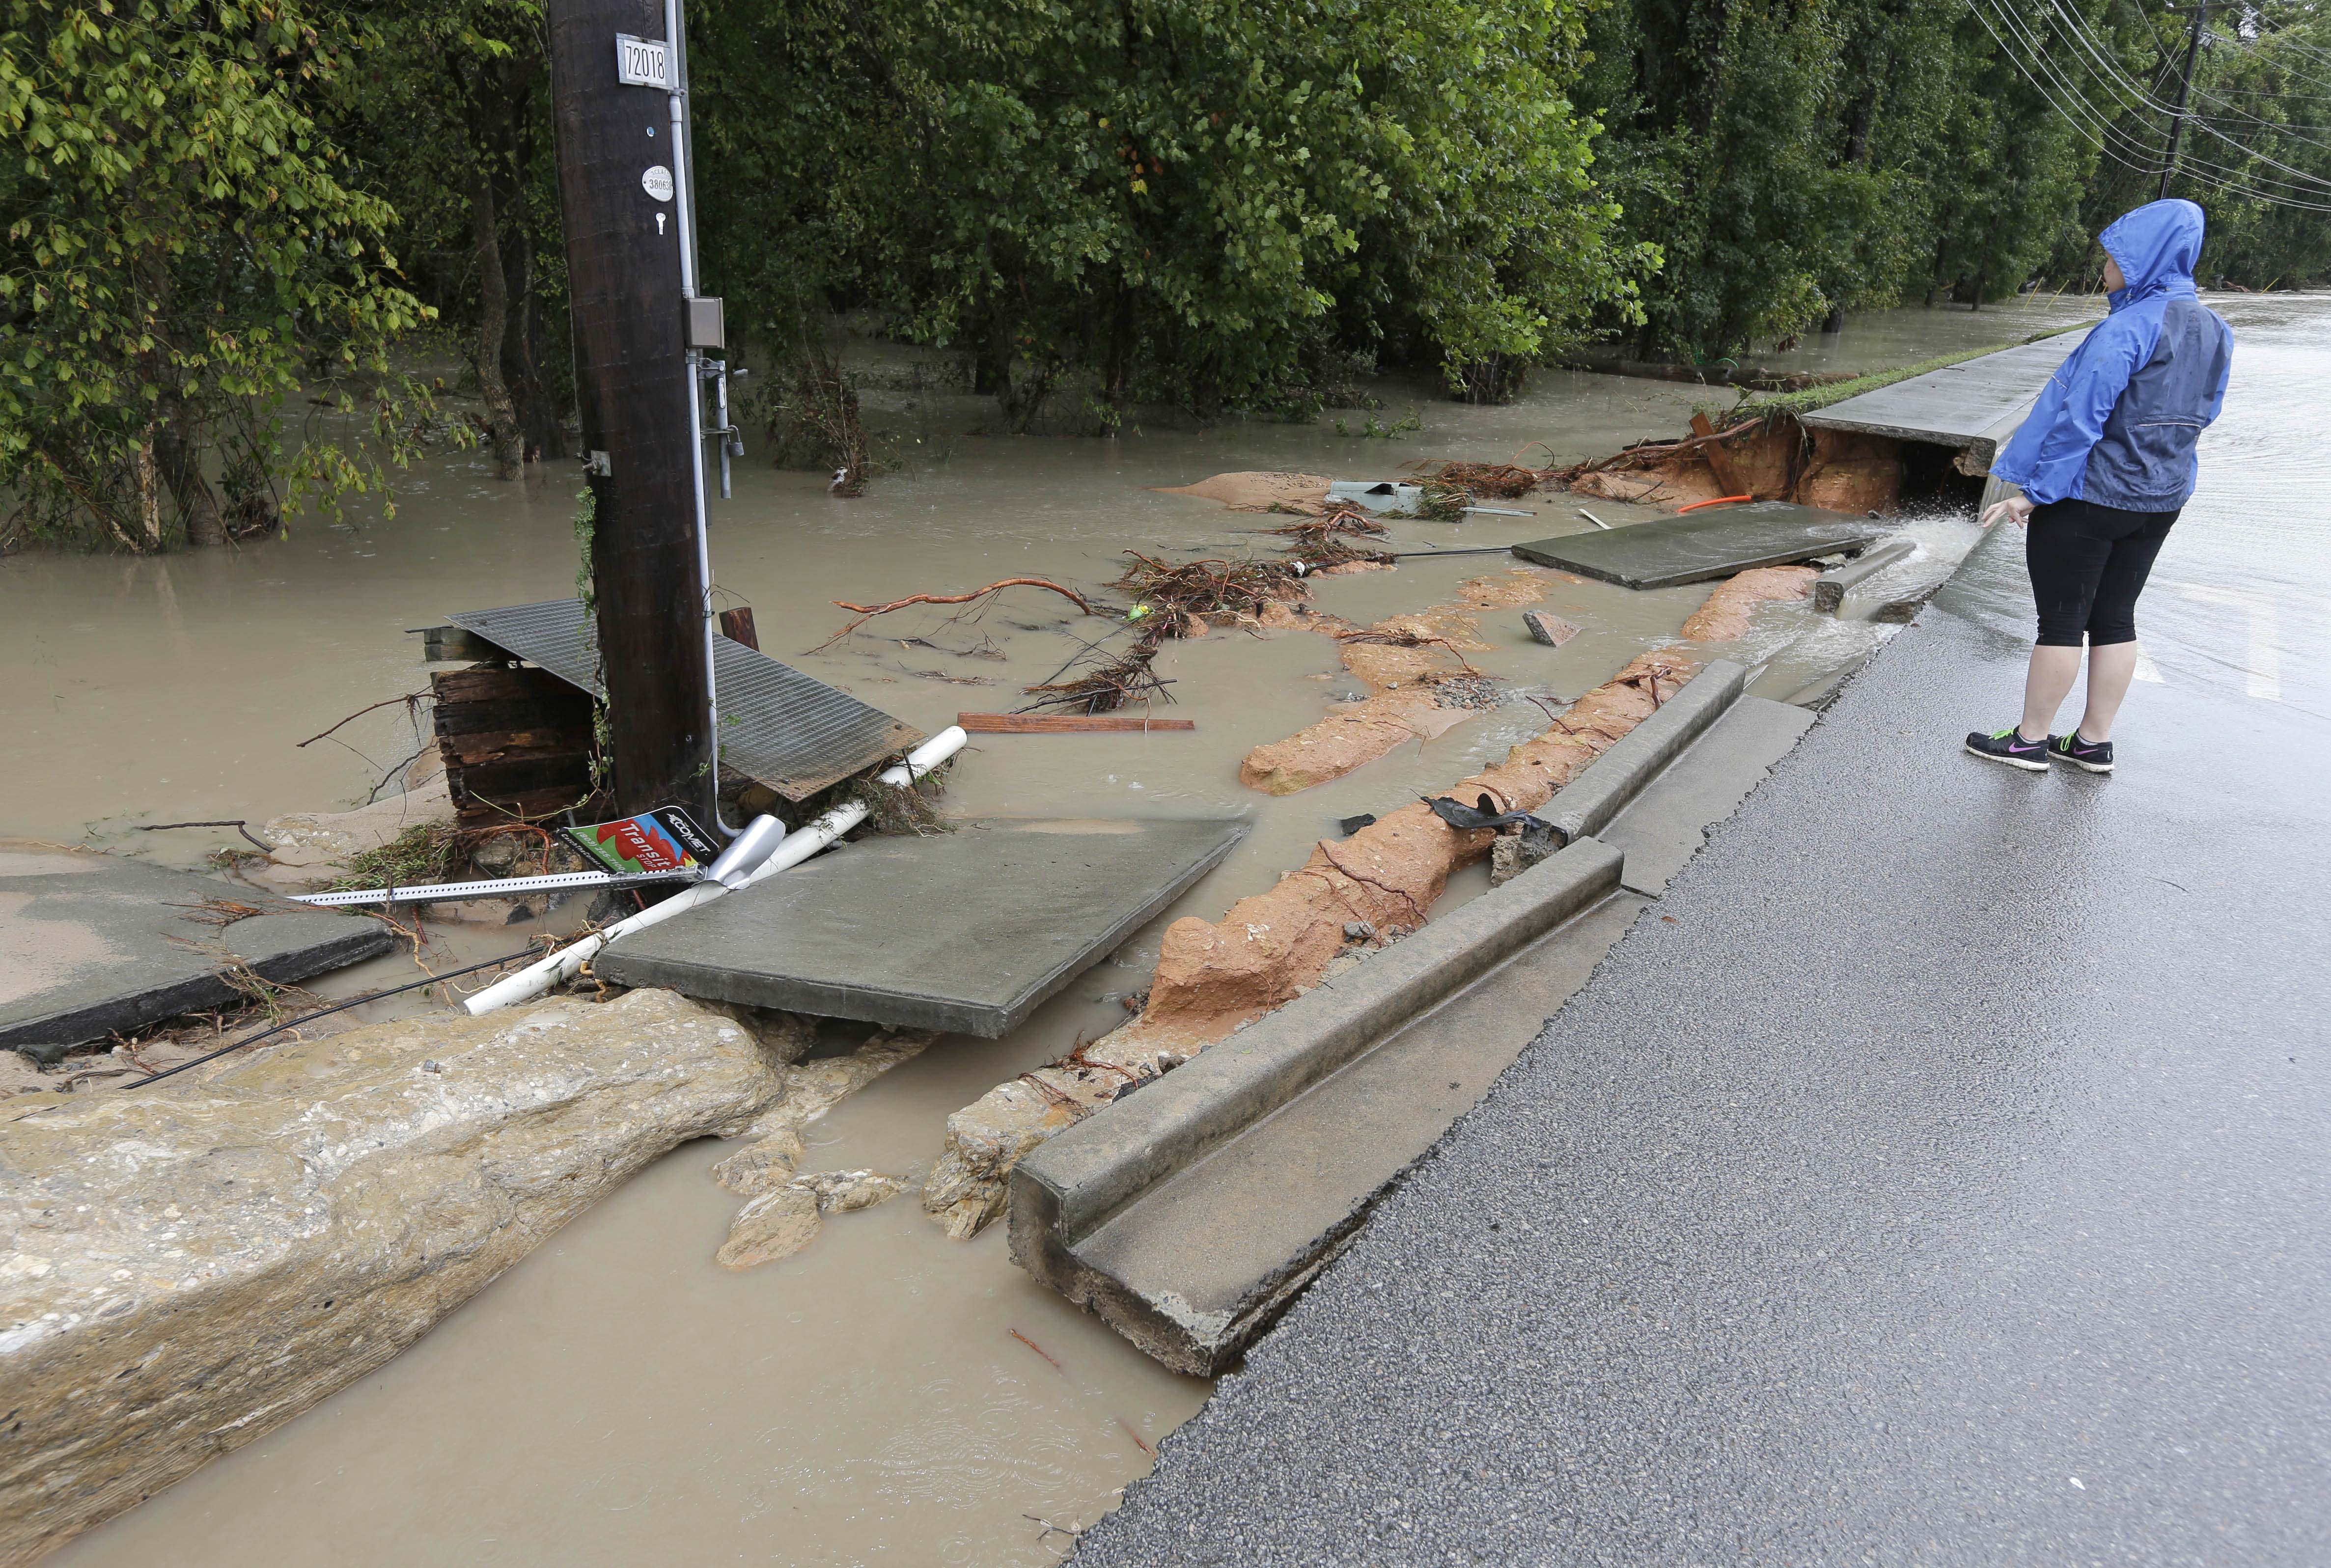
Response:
column 1065, row 724
column 516, row 742
column 500, row 718
column 501, row 777
column 529, row 805
column 511, row 746
column 492, row 682
column 737, row 625
column 443, row 644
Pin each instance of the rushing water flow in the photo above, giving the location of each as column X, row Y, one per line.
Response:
column 617, row 1397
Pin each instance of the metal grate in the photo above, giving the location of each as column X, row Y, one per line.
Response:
column 785, row 729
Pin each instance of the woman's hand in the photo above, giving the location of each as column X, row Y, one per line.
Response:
column 2020, row 508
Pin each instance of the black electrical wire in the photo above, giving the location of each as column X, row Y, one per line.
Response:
column 323, row 1012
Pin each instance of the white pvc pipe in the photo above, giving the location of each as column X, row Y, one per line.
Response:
column 798, row 846
column 762, row 835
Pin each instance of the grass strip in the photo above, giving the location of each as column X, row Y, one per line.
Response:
column 1813, row 399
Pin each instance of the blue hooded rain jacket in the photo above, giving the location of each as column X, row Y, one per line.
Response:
column 2117, row 423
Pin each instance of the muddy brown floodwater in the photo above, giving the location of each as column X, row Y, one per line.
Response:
column 888, row 1395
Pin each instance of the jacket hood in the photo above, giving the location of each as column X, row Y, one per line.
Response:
column 2157, row 247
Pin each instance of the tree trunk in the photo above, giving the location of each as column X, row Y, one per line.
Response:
column 179, row 454
column 149, row 493
column 538, row 411
column 493, row 325
column 1116, row 370
column 991, row 372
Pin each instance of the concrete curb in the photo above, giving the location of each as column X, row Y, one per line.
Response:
column 1588, row 802
column 1830, row 591
column 1071, row 1184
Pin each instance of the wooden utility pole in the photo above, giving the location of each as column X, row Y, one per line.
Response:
column 2184, row 94
column 617, row 181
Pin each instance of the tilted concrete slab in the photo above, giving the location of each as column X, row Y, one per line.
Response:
column 1208, row 1259
column 1667, row 823
column 1587, row 802
column 1191, row 1213
column 1975, row 405
column 1096, row 1213
column 1830, row 591
column 92, row 945
column 965, row 931
column 1671, row 551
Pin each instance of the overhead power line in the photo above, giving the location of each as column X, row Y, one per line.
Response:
column 2057, row 86
column 2111, row 71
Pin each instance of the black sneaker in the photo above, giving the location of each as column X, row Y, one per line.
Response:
column 2008, row 746
column 2092, row 755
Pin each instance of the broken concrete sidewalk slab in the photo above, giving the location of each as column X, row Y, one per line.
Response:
column 779, row 727
column 965, row 931
column 92, row 945
column 1974, row 406
column 1190, row 1220
column 1551, row 630
column 1830, row 591
column 1665, row 824
column 1583, row 805
column 1704, row 546
column 1117, row 1212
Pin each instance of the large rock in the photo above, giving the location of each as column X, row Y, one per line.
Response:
column 184, row 1268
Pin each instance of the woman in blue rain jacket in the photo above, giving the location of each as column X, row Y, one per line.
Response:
column 2105, row 462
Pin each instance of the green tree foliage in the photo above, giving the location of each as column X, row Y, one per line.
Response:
column 184, row 252
column 1218, row 204
column 2270, row 91
column 2008, row 175
column 1796, row 158
column 451, row 125
column 1187, row 198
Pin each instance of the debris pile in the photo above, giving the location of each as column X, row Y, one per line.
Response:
column 1322, row 544
column 1108, row 682
column 1419, row 681
column 1181, row 597
column 1490, row 481
column 1213, row 977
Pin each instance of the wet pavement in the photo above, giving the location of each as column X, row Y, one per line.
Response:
column 1935, row 1174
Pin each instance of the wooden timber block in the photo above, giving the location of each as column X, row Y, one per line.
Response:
column 517, row 742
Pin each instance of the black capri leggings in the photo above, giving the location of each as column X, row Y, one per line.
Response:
column 2088, row 563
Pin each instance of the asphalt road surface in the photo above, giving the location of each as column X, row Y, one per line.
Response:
column 1936, row 1175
